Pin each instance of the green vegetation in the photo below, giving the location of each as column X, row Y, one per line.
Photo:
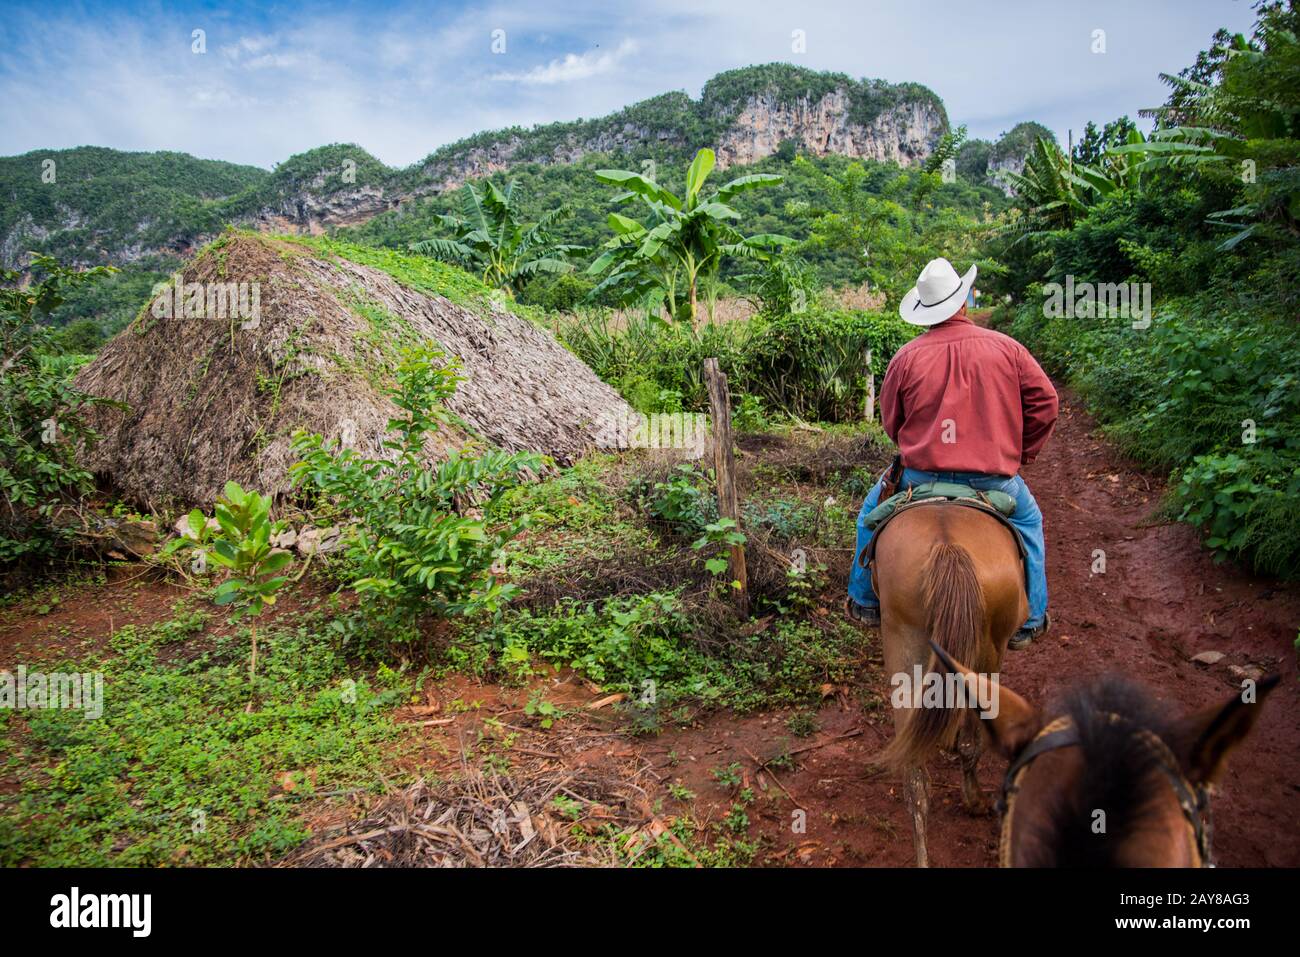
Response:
column 116, row 200
column 491, row 241
column 673, row 126
column 41, row 418
column 725, row 94
column 982, row 162
column 685, row 242
column 1208, row 214
column 809, row 364
column 418, row 272
column 175, row 772
column 649, row 647
column 414, row 549
column 944, row 217
column 244, row 548
column 322, row 172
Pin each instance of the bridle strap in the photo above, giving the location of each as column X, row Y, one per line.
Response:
column 1194, row 799
column 1061, row 733
column 1058, row 734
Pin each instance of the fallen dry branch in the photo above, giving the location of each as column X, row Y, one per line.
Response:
column 489, row 820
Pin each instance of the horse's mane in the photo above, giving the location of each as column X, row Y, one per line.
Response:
column 1120, row 773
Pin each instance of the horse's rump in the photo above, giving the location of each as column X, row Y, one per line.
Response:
column 950, row 587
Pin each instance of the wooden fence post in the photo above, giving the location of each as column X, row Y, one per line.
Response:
column 871, row 391
column 724, row 467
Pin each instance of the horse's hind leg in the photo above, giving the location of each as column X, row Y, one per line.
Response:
column 916, row 791
column 970, row 745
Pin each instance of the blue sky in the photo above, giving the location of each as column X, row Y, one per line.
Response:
column 402, row 78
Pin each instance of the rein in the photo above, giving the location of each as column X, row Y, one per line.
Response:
column 1061, row 733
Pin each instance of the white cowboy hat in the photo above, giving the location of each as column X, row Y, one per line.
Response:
column 938, row 294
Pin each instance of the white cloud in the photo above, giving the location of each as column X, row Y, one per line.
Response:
column 573, row 66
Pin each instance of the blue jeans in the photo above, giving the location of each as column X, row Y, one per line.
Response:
column 1027, row 519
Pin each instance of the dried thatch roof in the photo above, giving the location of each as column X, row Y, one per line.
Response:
column 213, row 399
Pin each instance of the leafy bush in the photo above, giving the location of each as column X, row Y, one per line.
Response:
column 648, row 359
column 1208, row 392
column 809, row 364
column 1246, row 502
column 557, row 293
column 649, row 647
column 715, row 545
column 244, row 548
column 684, row 502
column 783, row 286
column 40, row 410
column 812, row 364
column 787, row 520
column 747, row 414
column 414, row 542
column 619, row 644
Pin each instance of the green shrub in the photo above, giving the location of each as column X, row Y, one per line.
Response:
column 620, row 643
column 685, row 502
column 557, row 293
column 812, row 364
column 787, row 520
column 413, row 544
column 40, row 410
column 1246, row 502
column 1209, row 392
column 747, row 414
column 808, row 364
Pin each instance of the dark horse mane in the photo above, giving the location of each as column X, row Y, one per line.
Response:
column 1121, row 775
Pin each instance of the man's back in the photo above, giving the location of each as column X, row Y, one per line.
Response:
column 959, row 398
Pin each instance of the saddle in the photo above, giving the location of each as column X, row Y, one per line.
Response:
column 1000, row 505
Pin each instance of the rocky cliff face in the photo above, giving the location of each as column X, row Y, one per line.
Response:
column 310, row 212
column 445, row 174
column 1006, row 164
column 904, row 135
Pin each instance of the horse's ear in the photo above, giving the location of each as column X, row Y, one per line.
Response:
column 1016, row 721
column 1210, row 735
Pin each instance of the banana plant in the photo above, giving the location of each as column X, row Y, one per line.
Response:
column 491, row 240
column 682, row 244
column 1051, row 195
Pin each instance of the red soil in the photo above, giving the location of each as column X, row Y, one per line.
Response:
column 1161, row 601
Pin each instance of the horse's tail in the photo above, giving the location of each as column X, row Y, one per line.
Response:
column 955, row 619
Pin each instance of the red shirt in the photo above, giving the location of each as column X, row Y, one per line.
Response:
column 959, row 398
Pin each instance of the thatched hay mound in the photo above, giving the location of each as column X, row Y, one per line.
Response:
column 213, row 399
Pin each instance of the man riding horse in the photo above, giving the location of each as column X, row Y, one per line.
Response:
column 965, row 405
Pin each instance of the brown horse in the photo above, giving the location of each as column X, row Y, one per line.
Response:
column 1115, row 779
column 950, row 573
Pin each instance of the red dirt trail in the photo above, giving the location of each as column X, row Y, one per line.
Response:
column 1161, row 601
